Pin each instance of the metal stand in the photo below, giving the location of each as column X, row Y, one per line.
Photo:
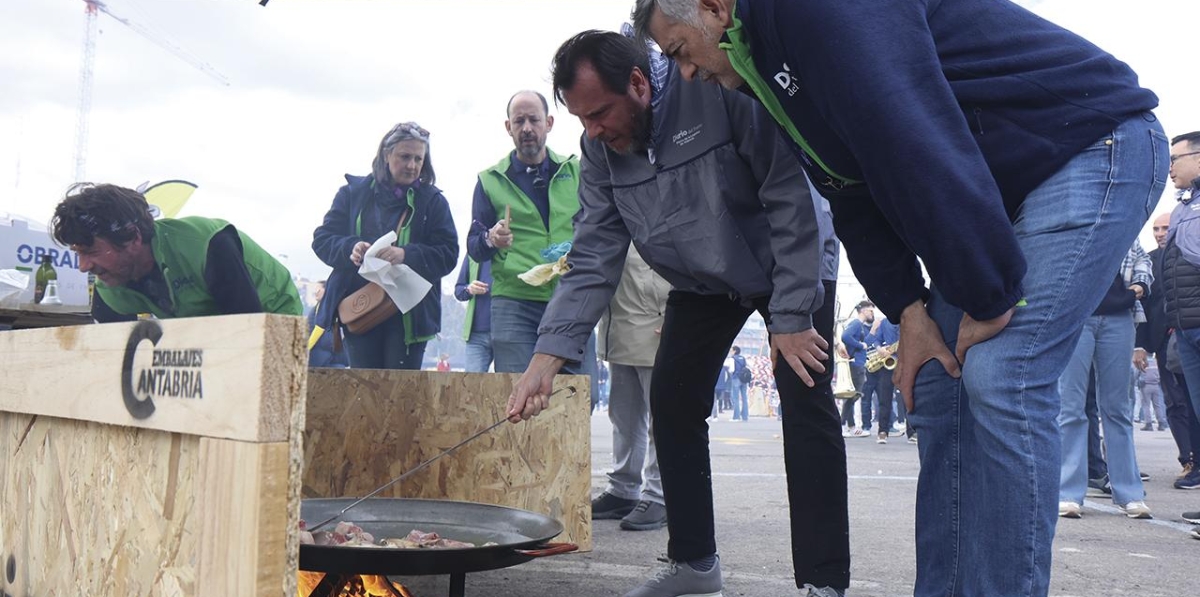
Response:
column 458, row 584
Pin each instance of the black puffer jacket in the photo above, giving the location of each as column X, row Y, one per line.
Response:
column 1181, row 281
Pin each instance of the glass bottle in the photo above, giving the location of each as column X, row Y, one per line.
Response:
column 45, row 273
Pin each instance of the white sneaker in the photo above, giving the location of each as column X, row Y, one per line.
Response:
column 1136, row 509
column 1070, row 510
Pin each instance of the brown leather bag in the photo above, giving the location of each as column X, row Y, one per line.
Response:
column 370, row 305
column 366, row 308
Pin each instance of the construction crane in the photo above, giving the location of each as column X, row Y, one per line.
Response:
column 91, row 12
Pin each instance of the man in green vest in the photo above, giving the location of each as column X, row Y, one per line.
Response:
column 186, row 267
column 523, row 207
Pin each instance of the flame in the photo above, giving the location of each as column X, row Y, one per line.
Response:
column 366, row 585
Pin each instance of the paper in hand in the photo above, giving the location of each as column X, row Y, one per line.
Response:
column 405, row 287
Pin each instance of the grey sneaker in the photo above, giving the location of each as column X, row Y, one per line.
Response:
column 811, row 591
column 678, row 579
column 607, row 506
column 646, row 516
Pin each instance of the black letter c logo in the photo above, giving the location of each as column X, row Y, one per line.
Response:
column 144, row 330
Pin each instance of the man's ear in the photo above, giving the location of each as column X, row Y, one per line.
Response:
column 508, row 127
column 639, row 83
column 718, row 10
column 549, row 122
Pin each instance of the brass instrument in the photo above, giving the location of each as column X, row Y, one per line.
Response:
column 877, row 361
column 843, row 383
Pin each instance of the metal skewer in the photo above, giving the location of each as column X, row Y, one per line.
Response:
column 421, row 466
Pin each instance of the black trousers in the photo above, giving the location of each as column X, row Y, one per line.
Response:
column 884, row 389
column 1185, row 427
column 696, row 335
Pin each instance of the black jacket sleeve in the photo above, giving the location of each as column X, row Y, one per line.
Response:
column 483, row 217
column 460, row 287
column 226, row 276
column 332, row 241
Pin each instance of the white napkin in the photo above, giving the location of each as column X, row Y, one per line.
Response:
column 12, row 284
column 405, row 287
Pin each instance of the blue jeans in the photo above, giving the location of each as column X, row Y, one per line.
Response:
column 479, row 352
column 514, row 332
column 741, row 402
column 1105, row 347
column 990, row 449
column 514, row 336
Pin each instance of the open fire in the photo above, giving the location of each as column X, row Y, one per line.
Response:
column 320, row 584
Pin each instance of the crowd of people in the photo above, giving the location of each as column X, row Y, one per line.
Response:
column 730, row 148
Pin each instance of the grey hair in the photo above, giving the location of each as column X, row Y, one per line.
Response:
column 401, row 132
column 684, row 11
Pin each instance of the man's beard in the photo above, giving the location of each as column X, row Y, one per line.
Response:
column 640, row 138
column 529, row 151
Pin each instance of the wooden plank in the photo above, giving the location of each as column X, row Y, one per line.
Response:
column 365, row 427
column 189, row 376
column 247, row 511
column 93, row 508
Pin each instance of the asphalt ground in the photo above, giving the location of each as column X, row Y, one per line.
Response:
column 1104, row 553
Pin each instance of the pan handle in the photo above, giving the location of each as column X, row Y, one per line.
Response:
column 548, row 549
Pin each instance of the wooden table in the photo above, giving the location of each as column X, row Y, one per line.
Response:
column 40, row 316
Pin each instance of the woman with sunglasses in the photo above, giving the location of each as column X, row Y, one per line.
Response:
column 398, row 196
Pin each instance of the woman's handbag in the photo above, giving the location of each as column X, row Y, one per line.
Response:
column 366, row 308
column 370, row 305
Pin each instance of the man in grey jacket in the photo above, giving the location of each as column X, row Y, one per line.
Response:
column 713, row 200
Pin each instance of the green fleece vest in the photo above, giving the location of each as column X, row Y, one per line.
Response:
column 472, row 275
column 530, row 236
column 738, row 50
column 180, row 248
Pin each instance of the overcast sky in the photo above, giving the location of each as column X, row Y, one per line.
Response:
column 316, row 83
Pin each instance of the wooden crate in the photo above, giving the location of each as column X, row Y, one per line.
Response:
column 195, row 491
column 366, row 427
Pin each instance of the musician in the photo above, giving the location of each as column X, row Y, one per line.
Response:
column 854, row 339
column 882, row 341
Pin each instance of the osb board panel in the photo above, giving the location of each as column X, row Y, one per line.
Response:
column 227, row 377
column 365, row 427
column 101, row 510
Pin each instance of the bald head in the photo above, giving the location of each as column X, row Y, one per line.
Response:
column 1161, row 225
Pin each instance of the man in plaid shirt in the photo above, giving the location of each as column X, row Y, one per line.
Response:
column 1106, row 346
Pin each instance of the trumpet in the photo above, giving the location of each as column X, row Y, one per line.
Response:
column 843, row 386
column 877, row 361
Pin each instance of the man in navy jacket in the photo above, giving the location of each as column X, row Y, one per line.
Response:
column 1017, row 161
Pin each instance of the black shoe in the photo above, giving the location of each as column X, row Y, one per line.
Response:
column 1148, row 427
column 1189, row 481
column 647, row 516
column 1100, row 485
column 607, row 506
column 1145, row 477
column 1192, row 517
